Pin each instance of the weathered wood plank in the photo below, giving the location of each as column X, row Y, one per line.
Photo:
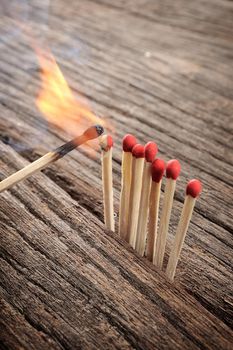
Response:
column 159, row 70
column 62, row 275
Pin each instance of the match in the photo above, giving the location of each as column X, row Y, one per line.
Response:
column 51, row 157
column 138, row 153
column 157, row 171
column 193, row 189
column 151, row 150
column 172, row 173
column 106, row 144
column 129, row 141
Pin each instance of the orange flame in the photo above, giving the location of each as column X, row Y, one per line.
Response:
column 57, row 102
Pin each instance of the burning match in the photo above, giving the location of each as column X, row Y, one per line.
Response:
column 60, row 107
column 51, row 157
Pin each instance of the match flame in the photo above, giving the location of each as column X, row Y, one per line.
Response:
column 57, row 102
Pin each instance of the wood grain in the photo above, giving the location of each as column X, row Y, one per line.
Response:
column 162, row 71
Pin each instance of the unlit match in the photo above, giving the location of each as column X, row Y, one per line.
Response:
column 106, row 144
column 157, row 171
column 129, row 141
column 138, row 153
column 172, row 173
column 151, row 150
column 193, row 189
column 51, row 157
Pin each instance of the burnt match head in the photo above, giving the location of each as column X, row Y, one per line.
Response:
column 106, row 142
column 151, row 150
column 129, row 141
column 93, row 132
column 157, row 170
column 194, row 188
column 173, row 169
column 99, row 129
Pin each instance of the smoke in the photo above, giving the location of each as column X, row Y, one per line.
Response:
column 17, row 14
column 25, row 24
column 11, row 11
column 20, row 20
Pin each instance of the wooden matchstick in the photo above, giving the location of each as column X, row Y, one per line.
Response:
column 138, row 153
column 91, row 133
column 106, row 144
column 172, row 173
column 157, row 171
column 129, row 141
column 193, row 189
column 151, row 150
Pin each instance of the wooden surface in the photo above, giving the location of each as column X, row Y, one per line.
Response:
column 161, row 70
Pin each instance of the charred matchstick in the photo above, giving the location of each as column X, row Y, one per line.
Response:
column 51, row 157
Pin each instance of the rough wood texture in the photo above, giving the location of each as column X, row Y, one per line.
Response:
column 160, row 70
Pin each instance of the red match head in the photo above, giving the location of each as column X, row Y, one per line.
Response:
column 157, row 169
column 106, row 142
column 138, row 151
column 173, row 169
column 151, row 150
column 129, row 141
column 193, row 188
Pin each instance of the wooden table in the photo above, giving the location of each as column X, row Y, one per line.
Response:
column 161, row 70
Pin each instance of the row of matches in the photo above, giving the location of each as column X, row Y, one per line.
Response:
column 142, row 175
